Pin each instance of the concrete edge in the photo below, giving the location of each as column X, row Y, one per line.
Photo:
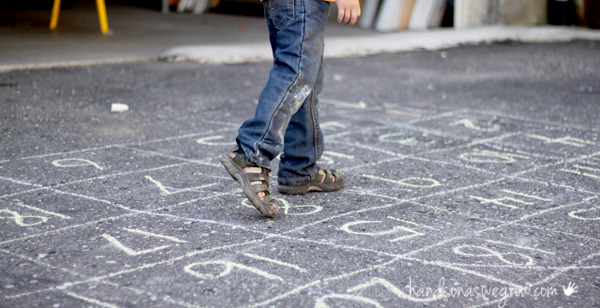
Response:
column 377, row 43
column 47, row 65
column 340, row 47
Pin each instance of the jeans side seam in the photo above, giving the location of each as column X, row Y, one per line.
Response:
column 315, row 126
column 291, row 84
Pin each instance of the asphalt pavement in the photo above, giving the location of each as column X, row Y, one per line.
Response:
column 473, row 180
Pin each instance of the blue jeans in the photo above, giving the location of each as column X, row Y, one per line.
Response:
column 286, row 118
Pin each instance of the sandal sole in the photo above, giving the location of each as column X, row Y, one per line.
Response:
column 240, row 176
column 311, row 186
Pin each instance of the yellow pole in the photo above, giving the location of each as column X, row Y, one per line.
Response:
column 102, row 16
column 55, row 11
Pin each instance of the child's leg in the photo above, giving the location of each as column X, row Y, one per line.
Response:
column 297, row 37
column 298, row 169
column 303, row 141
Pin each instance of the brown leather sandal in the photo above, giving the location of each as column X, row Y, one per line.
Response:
column 315, row 184
column 235, row 166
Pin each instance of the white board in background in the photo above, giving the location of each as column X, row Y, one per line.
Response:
column 437, row 14
column 199, row 7
column 409, row 8
column 420, row 15
column 183, row 5
column 389, row 15
column 368, row 14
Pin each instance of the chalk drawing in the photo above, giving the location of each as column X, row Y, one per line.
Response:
column 491, row 157
column 146, row 233
column 341, row 104
column 285, row 206
column 525, row 195
column 91, row 300
column 470, row 125
column 404, row 228
column 296, row 267
column 332, row 125
column 575, row 214
column 132, row 252
column 402, row 112
column 519, row 246
column 336, row 154
column 19, row 219
column 583, row 173
column 494, row 254
column 413, row 223
column 347, row 228
column 207, row 141
column 389, row 138
column 75, row 162
column 396, row 291
column 128, row 250
column 501, row 201
column 568, row 140
column 165, row 191
column 228, row 267
column 326, row 160
column 42, row 211
column 410, row 182
column 320, row 303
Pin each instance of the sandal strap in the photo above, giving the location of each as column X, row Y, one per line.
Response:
column 336, row 174
column 240, row 159
column 252, row 177
column 260, row 188
column 329, row 176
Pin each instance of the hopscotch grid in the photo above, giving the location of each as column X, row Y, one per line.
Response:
column 387, row 152
column 481, row 265
column 268, row 235
column 101, row 177
column 33, row 208
column 505, row 149
column 195, row 161
column 91, row 179
column 407, row 125
column 113, row 218
column 458, row 137
column 145, row 266
column 186, row 202
column 276, row 235
column 68, row 271
column 400, row 157
column 553, row 276
column 128, row 144
column 456, row 212
column 455, row 266
column 532, row 120
column 375, row 207
column 174, row 157
column 518, row 246
column 91, row 300
column 514, row 176
column 350, row 108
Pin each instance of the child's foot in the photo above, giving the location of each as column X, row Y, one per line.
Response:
column 325, row 181
column 254, row 181
column 251, row 170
